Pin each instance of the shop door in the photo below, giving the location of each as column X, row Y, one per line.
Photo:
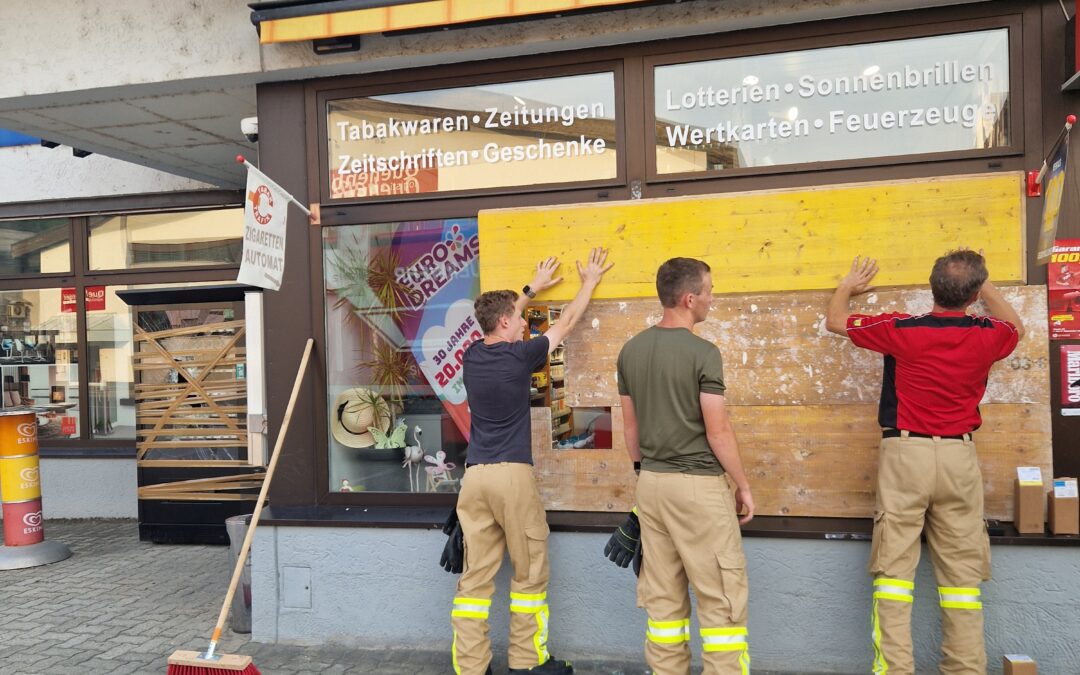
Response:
column 190, row 364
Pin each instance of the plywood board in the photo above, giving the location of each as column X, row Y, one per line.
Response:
column 769, row 240
column 800, row 460
column 777, row 352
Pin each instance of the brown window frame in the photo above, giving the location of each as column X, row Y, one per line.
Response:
column 78, row 212
column 1016, row 95
column 428, row 81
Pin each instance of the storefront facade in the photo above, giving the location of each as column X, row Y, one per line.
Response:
column 873, row 132
column 775, row 140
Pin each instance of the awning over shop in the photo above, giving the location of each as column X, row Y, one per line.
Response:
column 299, row 21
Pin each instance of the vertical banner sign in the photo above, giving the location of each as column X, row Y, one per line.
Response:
column 1063, row 288
column 411, row 286
column 266, row 207
column 1055, row 186
column 442, row 274
column 1070, row 380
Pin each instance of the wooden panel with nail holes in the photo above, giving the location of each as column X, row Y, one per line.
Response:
column 804, row 404
column 801, row 460
column 777, row 352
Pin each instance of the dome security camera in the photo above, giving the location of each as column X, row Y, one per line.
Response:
column 249, row 126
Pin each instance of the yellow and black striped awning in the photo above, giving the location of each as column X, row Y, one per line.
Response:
column 325, row 20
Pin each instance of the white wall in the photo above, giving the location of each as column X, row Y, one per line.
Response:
column 35, row 173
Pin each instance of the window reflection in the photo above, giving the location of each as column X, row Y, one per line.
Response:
column 533, row 132
column 30, row 247
column 936, row 94
column 167, row 239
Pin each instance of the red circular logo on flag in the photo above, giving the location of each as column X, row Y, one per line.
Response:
column 262, row 201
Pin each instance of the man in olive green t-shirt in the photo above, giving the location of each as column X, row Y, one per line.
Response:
column 676, row 424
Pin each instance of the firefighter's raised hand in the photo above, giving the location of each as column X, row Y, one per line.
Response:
column 863, row 271
column 545, row 275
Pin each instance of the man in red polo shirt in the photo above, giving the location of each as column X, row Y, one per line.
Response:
column 936, row 367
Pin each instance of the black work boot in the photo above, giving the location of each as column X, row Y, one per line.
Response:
column 552, row 666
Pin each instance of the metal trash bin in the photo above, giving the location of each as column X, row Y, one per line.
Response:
column 240, row 612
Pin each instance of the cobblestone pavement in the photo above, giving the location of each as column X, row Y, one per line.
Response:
column 119, row 605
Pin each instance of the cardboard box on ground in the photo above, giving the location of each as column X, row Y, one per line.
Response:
column 1019, row 664
column 1063, row 507
column 1028, row 517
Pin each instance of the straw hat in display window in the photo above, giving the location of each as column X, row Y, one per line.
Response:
column 355, row 410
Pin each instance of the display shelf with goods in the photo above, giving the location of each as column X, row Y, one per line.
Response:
column 548, row 386
column 37, row 368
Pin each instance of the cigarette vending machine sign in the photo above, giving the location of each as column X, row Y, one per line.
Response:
column 1063, row 286
column 1070, row 380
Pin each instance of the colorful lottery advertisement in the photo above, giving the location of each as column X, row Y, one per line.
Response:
column 1070, row 380
column 1063, row 287
column 405, row 292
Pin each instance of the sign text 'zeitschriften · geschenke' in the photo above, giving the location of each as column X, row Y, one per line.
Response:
column 936, row 94
column 496, row 135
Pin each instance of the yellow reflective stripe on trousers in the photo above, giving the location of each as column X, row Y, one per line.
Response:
column 898, row 590
column 951, row 597
column 541, row 636
column 880, row 665
column 471, row 608
column 529, row 603
column 669, row 632
column 453, row 655
column 894, row 589
column 723, row 639
column 728, row 639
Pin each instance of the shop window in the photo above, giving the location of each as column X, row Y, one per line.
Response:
column 533, row 132
column 167, row 239
column 948, row 93
column 398, row 318
column 32, row 247
column 39, row 359
column 111, row 376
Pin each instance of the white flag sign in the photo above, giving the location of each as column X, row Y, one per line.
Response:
column 266, row 207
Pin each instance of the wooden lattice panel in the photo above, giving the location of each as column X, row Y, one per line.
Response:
column 205, row 408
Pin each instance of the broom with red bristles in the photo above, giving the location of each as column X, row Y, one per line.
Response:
column 209, row 663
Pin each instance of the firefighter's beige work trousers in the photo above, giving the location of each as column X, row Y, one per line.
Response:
column 932, row 485
column 499, row 509
column 690, row 534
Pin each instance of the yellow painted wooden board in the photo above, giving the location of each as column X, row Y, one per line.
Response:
column 801, row 460
column 769, row 240
column 777, row 352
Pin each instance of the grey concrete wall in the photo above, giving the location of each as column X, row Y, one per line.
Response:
column 71, row 46
column 809, row 611
column 33, row 173
column 88, row 488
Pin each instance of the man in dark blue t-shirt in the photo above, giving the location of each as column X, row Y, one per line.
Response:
column 499, row 506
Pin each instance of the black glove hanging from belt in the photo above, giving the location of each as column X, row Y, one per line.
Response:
column 624, row 546
column 453, row 555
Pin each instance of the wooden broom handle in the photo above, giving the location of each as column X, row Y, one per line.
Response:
column 262, row 492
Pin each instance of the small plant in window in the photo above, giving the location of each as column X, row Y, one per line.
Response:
column 391, row 369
